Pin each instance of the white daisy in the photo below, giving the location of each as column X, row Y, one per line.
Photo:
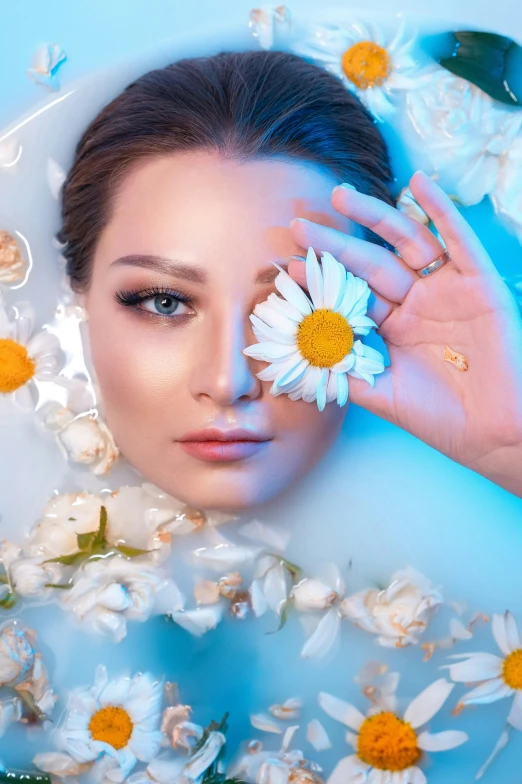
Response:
column 310, row 342
column 498, row 676
column 25, row 358
column 369, row 63
column 119, row 719
column 387, row 747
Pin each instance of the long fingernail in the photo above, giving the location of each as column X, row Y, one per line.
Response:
column 295, row 258
column 295, row 220
column 346, row 186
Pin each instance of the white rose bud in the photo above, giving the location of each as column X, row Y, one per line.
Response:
column 311, row 594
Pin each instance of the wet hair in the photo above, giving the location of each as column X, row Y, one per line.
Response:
column 251, row 105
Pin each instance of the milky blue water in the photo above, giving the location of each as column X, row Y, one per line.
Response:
column 378, row 501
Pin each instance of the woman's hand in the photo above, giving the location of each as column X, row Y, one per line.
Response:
column 473, row 416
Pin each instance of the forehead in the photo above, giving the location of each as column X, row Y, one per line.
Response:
column 196, row 205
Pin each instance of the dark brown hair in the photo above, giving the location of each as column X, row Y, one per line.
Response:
column 244, row 105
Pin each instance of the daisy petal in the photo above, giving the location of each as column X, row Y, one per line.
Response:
column 417, row 776
column 274, row 319
column 292, row 292
column 342, row 388
column 441, row 741
column 349, row 770
column 314, row 279
column 264, row 332
column 515, row 714
column 284, row 307
column 321, row 389
column 294, row 375
column 505, row 633
column 341, row 711
column 334, row 279
column 499, row 745
column 268, row 352
column 487, row 692
column 427, row 703
column 323, row 637
column 477, row 667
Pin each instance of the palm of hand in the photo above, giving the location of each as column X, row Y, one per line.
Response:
column 454, row 411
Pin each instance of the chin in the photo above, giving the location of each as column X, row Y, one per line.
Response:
column 233, row 494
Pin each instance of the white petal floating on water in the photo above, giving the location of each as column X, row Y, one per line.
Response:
column 267, row 22
column 265, row 723
column 324, row 636
column 257, row 598
column 44, row 68
column 317, row 736
column 55, row 177
column 276, row 587
column 225, row 555
column 288, row 738
column 199, row 621
column 288, row 710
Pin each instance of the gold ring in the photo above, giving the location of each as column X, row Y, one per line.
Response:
column 436, row 264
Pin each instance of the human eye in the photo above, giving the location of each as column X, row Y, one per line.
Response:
column 156, row 301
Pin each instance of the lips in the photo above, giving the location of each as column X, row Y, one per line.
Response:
column 221, row 446
column 214, row 434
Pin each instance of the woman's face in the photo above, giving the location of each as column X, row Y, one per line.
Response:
column 204, row 229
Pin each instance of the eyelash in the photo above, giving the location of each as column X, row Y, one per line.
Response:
column 132, row 299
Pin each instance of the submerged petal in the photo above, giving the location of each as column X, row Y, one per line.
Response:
column 341, row 711
column 441, row 741
column 423, row 707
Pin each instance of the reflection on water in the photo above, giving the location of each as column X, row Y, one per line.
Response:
column 379, row 501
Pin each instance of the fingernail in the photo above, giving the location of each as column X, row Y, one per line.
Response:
column 345, row 185
column 295, row 220
column 419, row 171
column 295, row 258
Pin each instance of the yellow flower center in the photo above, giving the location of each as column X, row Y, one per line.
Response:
column 112, row 725
column 366, row 64
column 387, row 742
column 324, row 338
column 512, row 669
column 16, row 366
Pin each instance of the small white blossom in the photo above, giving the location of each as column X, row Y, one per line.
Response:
column 399, row 614
column 109, row 591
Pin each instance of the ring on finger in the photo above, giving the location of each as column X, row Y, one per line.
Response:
column 434, row 265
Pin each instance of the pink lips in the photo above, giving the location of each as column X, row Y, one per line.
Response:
column 216, row 445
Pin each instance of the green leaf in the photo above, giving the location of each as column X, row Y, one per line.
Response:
column 69, row 560
column 483, row 59
column 100, row 536
column 58, row 585
column 131, row 552
column 284, row 617
column 86, row 541
column 8, row 601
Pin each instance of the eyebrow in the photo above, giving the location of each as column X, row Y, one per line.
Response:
column 188, row 272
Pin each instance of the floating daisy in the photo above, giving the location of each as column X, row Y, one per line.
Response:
column 119, row 719
column 311, row 343
column 25, row 358
column 388, row 747
column 498, row 676
column 370, row 64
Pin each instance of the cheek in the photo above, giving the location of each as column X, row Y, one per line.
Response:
column 140, row 372
column 308, row 431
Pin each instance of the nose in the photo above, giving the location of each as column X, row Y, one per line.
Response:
column 220, row 370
